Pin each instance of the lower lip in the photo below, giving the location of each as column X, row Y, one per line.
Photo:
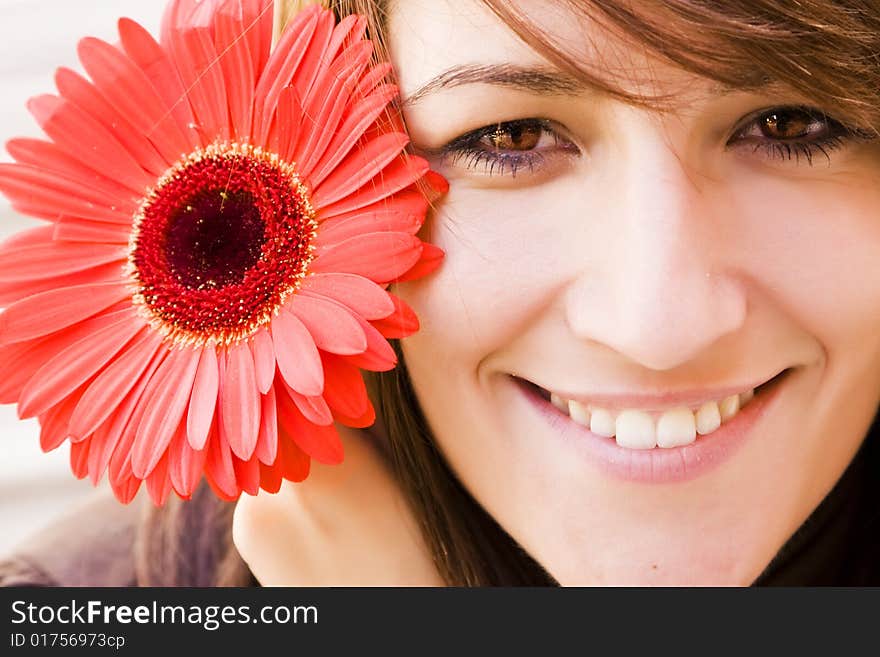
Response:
column 659, row 465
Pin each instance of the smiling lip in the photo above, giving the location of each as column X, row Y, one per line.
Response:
column 658, row 465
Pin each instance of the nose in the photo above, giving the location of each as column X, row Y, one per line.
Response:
column 660, row 291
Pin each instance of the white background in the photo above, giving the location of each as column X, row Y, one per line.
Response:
column 36, row 37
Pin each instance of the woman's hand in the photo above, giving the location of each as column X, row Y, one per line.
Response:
column 345, row 525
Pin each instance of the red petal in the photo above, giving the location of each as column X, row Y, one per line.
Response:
column 322, row 443
column 13, row 292
column 345, row 391
column 402, row 323
column 378, row 356
column 247, row 475
column 219, row 468
column 314, row 409
column 432, row 258
column 71, row 229
column 196, row 58
column 186, row 464
column 238, row 69
column 159, row 482
column 270, row 477
column 292, row 461
column 331, row 324
column 240, row 402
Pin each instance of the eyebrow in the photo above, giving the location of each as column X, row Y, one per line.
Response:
column 531, row 79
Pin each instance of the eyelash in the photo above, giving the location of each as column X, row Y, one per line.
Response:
column 467, row 148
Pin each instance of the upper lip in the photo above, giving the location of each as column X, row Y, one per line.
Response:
column 658, row 401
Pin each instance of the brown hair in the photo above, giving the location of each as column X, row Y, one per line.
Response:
column 826, row 50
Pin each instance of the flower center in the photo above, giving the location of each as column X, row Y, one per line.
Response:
column 220, row 244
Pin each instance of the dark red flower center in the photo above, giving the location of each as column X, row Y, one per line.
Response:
column 220, row 244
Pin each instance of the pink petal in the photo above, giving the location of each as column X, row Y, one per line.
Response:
column 371, row 79
column 381, row 257
column 297, row 354
column 379, row 356
column 12, row 292
column 130, row 91
column 159, row 482
column 267, row 443
column 114, row 383
column 264, row 360
column 57, row 259
column 203, row 402
column 431, row 259
column 400, row 174
column 327, row 107
column 44, row 192
column 357, row 293
column 282, row 64
column 314, row 409
column 322, row 443
column 85, row 139
column 52, row 311
column 185, row 464
column 240, row 402
column 74, row 366
column 164, row 410
column 78, row 90
column 96, row 467
column 71, row 229
column 23, row 359
column 155, row 63
column 79, row 458
column 238, row 70
column 54, row 423
column 48, row 156
column 353, row 126
column 359, row 167
column 196, row 59
column 288, row 121
column 331, row 325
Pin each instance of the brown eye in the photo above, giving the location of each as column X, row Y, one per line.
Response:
column 787, row 124
column 514, row 137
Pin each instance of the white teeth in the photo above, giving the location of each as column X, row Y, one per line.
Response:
column 602, row 422
column 579, row 413
column 676, row 428
column 635, row 429
column 708, row 418
column 559, row 402
column 728, row 407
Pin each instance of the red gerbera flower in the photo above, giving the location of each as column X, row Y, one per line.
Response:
column 224, row 221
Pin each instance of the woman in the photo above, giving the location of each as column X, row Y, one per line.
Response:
column 651, row 355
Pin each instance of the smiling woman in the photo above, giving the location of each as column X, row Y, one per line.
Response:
column 651, row 355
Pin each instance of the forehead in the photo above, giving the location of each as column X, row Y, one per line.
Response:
column 428, row 38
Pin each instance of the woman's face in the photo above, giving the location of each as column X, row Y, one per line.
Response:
column 618, row 256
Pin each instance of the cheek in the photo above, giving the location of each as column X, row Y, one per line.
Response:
column 813, row 247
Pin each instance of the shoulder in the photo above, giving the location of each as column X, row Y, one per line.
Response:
column 92, row 545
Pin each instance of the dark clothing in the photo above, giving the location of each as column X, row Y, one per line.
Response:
column 839, row 544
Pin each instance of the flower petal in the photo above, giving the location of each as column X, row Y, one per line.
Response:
column 332, row 326
column 400, row 324
column 264, row 360
column 113, row 384
column 72, row 229
column 164, row 409
column 237, row 64
column 381, row 257
column 240, row 402
column 297, row 354
column 359, row 294
column 247, row 474
column 56, row 259
column 322, row 443
column 74, row 366
column 54, row 310
column 203, row 402
column 267, row 443
column 379, row 356
column 345, row 391
column 400, row 174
